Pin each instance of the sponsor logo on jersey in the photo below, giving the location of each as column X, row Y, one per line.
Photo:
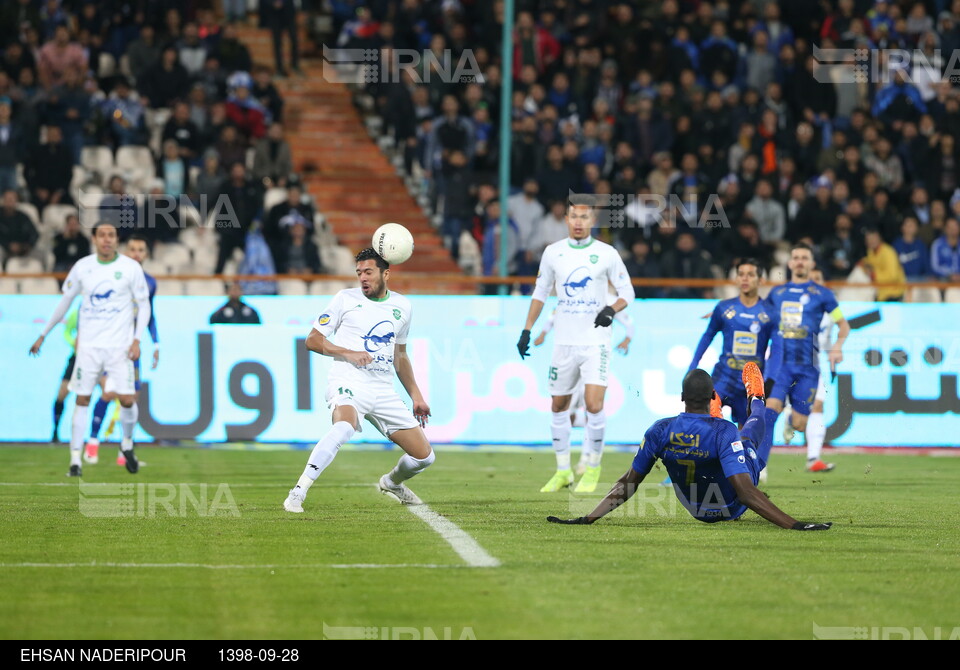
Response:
column 762, row 316
column 737, row 446
column 101, row 293
column 577, row 281
column 730, row 313
column 324, row 319
column 380, row 336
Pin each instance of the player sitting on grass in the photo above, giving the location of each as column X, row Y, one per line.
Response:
column 714, row 469
column 371, row 325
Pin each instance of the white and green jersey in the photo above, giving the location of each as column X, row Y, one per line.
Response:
column 580, row 272
column 111, row 293
column 362, row 324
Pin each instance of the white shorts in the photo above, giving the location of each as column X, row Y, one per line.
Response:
column 93, row 361
column 575, row 365
column 380, row 406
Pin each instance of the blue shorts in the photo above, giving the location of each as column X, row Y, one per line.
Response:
column 800, row 385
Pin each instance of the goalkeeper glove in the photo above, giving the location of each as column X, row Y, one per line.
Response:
column 605, row 317
column 523, row 346
column 579, row 521
column 802, row 525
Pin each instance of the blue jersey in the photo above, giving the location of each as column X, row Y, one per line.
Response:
column 700, row 453
column 746, row 332
column 798, row 310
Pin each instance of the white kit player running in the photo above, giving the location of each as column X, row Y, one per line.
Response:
column 371, row 325
column 816, row 431
column 579, row 269
column 114, row 312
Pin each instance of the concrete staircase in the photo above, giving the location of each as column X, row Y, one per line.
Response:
column 354, row 184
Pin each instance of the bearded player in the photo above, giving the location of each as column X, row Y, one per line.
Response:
column 579, row 268
column 114, row 312
column 371, row 324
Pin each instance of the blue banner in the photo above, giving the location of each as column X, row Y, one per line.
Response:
column 897, row 385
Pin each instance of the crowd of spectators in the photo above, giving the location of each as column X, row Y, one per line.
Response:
column 168, row 75
column 692, row 103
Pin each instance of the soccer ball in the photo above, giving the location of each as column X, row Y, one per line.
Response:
column 393, row 242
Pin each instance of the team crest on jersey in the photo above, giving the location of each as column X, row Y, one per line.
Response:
column 577, row 281
column 730, row 313
column 762, row 316
column 396, row 314
column 804, row 299
column 380, row 336
column 324, row 319
column 594, row 258
column 117, row 275
column 754, row 327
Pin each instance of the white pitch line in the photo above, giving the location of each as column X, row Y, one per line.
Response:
column 466, row 547
column 206, row 566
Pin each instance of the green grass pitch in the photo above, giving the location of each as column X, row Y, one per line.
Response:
column 889, row 561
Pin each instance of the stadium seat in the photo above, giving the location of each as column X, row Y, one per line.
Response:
column 292, row 287
column 80, row 177
column 98, row 161
column 172, row 255
column 852, row 292
column 327, row 288
column 124, row 65
column 273, row 196
column 9, row 286
column 169, row 287
column 55, row 216
column 471, row 260
column 925, row 294
column 156, row 268
column 136, row 163
column 204, row 260
column 48, row 286
column 31, row 211
column 338, row 260
column 203, row 287
column 952, row 295
column 23, row 266
column 157, row 117
column 729, row 290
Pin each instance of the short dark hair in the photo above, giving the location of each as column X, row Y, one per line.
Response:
column 581, row 200
column 138, row 237
column 801, row 245
column 369, row 254
column 100, row 224
column 751, row 261
column 697, row 388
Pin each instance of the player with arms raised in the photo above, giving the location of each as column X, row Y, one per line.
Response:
column 715, row 468
column 798, row 307
column 746, row 328
column 114, row 312
column 371, row 324
column 579, row 268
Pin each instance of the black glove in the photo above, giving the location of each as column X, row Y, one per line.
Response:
column 579, row 521
column 605, row 317
column 803, row 525
column 523, row 346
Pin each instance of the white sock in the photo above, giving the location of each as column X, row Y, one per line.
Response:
column 128, row 419
column 787, row 413
column 324, row 453
column 80, row 413
column 409, row 467
column 816, row 432
column 560, row 431
column 579, row 417
column 593, row 443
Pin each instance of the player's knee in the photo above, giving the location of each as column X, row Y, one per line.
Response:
column 596, row 418
column 127, row 401
column 560, row 403
column 428, row 460
column 83, row 401
column 818, row 406
column 595, row 407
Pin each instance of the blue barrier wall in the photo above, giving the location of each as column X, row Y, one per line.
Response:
column 896, row 387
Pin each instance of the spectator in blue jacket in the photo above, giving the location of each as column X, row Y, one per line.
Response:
column 945, row 253
column 912, row 252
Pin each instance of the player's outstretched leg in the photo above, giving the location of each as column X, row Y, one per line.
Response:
column 816, row 433
column 322, row 455
column 418, row 457
column 80, row 413
column 129, row 415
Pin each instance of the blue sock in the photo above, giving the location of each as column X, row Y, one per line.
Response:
column 99, row 411
column 754, row 430
column 770, row 418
